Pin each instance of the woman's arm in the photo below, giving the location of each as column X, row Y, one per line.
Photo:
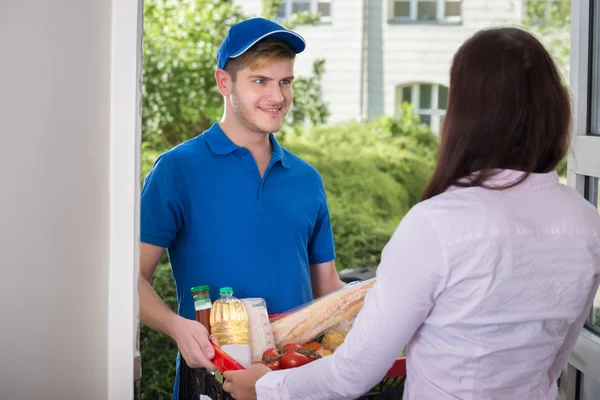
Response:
column 565, row 350
column 409, row 278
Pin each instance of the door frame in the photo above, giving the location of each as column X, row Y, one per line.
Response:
column 584, row 161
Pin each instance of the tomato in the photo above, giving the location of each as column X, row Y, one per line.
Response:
column 274, row 365
column 312, row 357
column 291, row 347
column 270, row 354
column 291, row 359
column 313, row 346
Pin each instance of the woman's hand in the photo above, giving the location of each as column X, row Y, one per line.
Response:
column 241, row 384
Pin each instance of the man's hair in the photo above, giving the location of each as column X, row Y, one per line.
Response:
column 261, row 54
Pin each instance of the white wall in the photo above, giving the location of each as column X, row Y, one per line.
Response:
column 398, row 53
column 340, row 43
column 63, row 189
column 422, row 52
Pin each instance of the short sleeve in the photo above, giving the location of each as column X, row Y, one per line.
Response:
column 161, row 206
column 321, row 248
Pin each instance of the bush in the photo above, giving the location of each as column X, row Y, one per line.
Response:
column 159, row 351
column 373, row 173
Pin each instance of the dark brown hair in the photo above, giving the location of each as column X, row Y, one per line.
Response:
column 507, row 109
column 259, row 55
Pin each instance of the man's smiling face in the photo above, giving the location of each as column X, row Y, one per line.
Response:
column 261, row 98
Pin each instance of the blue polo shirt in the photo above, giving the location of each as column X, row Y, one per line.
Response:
column 224, row 225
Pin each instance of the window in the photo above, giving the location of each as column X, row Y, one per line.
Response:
column 585, row 162
column 592, row 194
column 291, row 7
column 426, row 10
column 429, row 102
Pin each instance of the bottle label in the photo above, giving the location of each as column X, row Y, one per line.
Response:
column 202, row 303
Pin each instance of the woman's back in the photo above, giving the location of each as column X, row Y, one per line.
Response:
column 522, row 267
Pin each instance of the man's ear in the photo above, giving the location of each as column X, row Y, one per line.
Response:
column 224, row 82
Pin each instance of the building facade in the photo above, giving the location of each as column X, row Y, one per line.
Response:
column 380, row 53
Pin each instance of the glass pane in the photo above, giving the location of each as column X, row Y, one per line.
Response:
column 442, row 97
column 594, row 198
column 452, row 8
column 425, row 96
column 407, row 94
column 299, row 6
column 425, row 119
column 324, row 8
column 427, row 10
column 401, row 9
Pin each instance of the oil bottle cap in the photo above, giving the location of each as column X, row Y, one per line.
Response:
column 203, row 288
column 226, row 290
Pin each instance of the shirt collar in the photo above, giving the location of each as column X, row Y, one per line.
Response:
column 219, row 143
column 278, row 153
column 504, row 177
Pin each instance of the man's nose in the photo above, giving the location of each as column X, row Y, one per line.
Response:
column 276, row 95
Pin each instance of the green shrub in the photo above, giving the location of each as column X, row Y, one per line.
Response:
column 373, row 173
column 159, row 351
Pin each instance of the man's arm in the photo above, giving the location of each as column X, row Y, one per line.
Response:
column 153, row 311
column 324, row 279
column 191, row 336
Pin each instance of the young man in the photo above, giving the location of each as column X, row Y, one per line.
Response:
column 231, row 206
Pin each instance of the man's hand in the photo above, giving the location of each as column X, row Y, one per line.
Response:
column 194, row 343
column 241, row 384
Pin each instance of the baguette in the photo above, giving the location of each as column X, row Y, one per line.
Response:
column 310, row 322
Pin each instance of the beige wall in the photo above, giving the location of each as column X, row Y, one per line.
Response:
column 67, row 224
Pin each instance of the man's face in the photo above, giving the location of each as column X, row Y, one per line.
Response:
column 261, row 98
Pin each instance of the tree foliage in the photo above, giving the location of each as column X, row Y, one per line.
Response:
column 180, row 98
column 551, row 20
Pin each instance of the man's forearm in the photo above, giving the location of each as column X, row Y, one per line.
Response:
column 153, row 310
column 324, row 279
column 335, row 284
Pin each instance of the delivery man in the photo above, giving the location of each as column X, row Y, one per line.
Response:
column 231, row 206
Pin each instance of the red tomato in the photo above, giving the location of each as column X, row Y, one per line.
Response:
column 270, row 354
column 311, row 357
column 291, row 347
column 291, row 359
column 274, row 365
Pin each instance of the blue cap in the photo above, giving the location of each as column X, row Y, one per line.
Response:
column 246, row 34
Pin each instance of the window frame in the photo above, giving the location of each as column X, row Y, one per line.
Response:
column 434, row 112
column 314, row 7
column 414, row 12
column 584, row 162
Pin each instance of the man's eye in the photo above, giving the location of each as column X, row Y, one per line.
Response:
column 286, row 82
column 260, row 81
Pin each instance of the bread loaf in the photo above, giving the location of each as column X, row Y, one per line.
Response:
column 306, row 324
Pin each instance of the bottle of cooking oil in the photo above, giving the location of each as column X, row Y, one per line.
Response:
column 229, row 324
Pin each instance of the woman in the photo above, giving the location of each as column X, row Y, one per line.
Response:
column 488, row 280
